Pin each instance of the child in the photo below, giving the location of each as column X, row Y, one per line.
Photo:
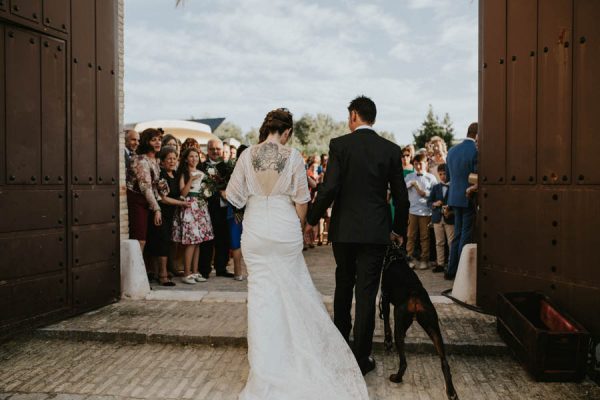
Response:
column 442, row 218
column 419, row 185
column 192, row 225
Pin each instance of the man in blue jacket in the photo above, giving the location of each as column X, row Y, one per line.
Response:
column 461, row 161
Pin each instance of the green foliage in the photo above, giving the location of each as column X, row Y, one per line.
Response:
column 312, row 133
column 251, row 137
column 229, row 130
column 387, row 135
column 432, row 126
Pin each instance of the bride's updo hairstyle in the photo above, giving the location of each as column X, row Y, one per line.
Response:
column 278, row 121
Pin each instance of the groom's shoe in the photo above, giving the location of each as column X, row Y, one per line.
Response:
column 367, row 365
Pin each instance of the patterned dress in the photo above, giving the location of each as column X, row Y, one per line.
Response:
column 193, row 225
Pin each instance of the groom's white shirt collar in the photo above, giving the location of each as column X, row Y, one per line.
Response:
column 364, row 127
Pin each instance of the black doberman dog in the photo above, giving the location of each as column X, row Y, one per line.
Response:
column 401, row 287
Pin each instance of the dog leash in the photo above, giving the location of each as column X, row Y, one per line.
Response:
column 446, row 293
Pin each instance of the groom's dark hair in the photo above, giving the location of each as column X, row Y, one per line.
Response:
column 365, row 108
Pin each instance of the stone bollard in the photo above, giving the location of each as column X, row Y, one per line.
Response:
column 134, row 281
column 465, row 283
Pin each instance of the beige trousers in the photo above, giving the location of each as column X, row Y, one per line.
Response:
column 418, row 224
column 442, row 232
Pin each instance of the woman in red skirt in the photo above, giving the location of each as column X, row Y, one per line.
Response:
column 143, row 186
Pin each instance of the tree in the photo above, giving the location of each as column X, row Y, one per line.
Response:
column 432, row 127
column 313, row 133
column 447, row 125
column 387, row 135
column 251, row 137
column 229, row 130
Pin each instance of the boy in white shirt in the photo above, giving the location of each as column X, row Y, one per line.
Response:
column 419, row 185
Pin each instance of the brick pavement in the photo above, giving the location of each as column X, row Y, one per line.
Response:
column 196, row 350
column 34, row 369
column 322, row 269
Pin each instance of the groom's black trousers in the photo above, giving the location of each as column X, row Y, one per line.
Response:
column 358, row 271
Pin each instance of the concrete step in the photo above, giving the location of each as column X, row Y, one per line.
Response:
column 219, row 319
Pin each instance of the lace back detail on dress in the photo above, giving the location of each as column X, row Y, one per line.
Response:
column 268, row 169
column 269, row 162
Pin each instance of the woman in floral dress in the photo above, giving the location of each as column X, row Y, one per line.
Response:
column 192, row 225
column 143, row 187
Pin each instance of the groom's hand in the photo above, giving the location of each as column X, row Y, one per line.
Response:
column 395, row 238
column 309, row 233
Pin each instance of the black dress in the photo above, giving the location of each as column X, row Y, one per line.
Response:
column 159, row 237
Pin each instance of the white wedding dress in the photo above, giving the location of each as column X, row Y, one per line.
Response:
column 294, row 349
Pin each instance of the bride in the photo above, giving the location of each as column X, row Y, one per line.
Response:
column 294, row 350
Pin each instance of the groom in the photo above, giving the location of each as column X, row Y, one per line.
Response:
column 362, row 165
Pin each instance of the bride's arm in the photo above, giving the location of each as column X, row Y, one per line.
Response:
column 300, row 192
column 237, row 191
column 301, row 210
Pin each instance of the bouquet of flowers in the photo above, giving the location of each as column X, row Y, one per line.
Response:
column 207, row 189
column 215, row 181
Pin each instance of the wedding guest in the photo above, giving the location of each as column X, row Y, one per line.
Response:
column 234, row 152
column 226, row 152
column 305, row 158
column 314, row 166
column 202, row 157
column 160, row 243
column 441, row 217
column 407, row 157
column 192, row 225
column 189, row 142
column 324, row 225
column 324, row 161
column 218, row 248
column 314, row 179
column 419, row 185
column 438, row 155
column 170, row 140
column 142, row 181
column 411, row 149
column 407, row 168
column 132, row 141
column 462, row 161
column 234, row 221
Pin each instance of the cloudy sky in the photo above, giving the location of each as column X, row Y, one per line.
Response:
column 241, row 58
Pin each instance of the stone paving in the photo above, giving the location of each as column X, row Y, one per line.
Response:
column 322, row 269
column 41, row 370
column 196, row 349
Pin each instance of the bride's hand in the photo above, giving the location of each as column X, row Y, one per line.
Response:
column 309, row 233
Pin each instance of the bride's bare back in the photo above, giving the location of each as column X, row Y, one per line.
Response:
column 268, row 162
column 268, row 169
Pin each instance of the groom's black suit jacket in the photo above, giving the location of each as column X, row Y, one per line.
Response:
column 362, row 165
